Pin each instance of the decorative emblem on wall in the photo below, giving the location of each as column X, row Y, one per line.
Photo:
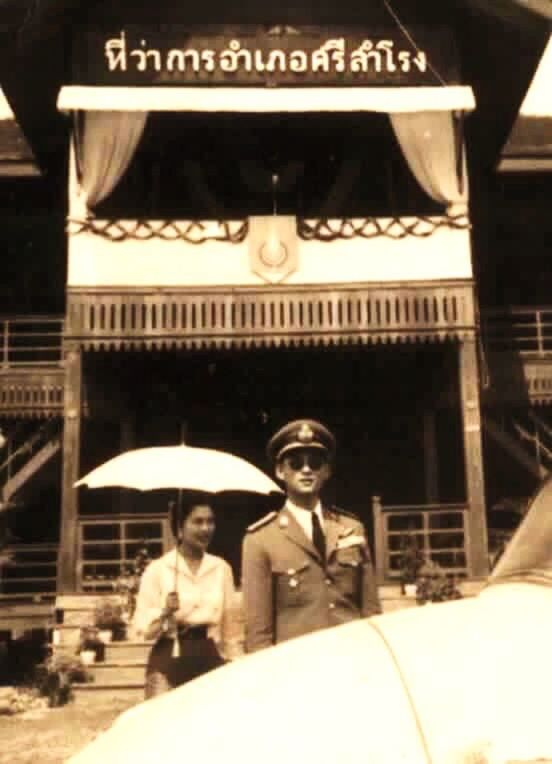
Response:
column 273, row 246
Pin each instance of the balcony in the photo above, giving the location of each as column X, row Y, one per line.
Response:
column 31, row 366
column 518, row 341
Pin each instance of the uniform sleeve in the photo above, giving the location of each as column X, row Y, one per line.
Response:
column 257, row 595
column 231, row 632
column 370, row 602
column 149, row 605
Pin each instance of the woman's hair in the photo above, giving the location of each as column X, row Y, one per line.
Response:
column 180, row 510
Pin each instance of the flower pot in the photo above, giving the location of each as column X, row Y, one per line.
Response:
column 410, row 590
column 105, row 636
column 88, row 657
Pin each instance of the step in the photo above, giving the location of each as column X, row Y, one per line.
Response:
column 127, row 651
column 133, row 692
column 121, row 672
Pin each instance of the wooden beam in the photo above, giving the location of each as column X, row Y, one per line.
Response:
column 379, row 540
column 67, row 559
column 478, row 563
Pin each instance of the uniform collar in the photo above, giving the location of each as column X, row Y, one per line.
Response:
column 303, row 515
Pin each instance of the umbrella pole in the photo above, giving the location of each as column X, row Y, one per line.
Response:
column 177, row 522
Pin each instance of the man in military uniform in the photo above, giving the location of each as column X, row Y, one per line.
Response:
column 306, row 567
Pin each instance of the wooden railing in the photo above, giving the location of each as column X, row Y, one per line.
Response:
column 439, row 531
column 28, row 570
column 37, row 340
column 31, row 340
column 107, row 546
column 150, row 317
column 526, row 330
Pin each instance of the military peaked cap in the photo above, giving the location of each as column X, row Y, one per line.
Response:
column 301, row 433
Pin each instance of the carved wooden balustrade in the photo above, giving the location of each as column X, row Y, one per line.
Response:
column 268, row 316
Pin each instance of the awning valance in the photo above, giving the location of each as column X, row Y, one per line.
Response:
column 253, row 100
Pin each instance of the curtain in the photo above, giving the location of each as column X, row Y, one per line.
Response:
column 432, row 145
column 105, row 142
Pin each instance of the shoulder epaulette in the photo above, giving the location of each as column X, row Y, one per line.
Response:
column 262, row 522
column 339, row 511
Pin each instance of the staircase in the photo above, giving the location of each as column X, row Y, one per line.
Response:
column 28, row 451
column 121, row 672
column 526, row 437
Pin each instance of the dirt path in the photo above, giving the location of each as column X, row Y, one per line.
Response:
column 52, row 735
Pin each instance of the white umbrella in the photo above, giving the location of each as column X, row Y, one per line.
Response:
column 185, row 467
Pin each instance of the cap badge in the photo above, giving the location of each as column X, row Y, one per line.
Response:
column 305, row 434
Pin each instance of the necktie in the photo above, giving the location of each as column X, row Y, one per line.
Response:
column 318, row 538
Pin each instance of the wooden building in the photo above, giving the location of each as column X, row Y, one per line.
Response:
column 271, row 216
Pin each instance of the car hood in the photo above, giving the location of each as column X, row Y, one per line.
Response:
column 444, row 683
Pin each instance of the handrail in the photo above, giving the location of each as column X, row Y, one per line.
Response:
column 35, row 340
column 383, row 514
column 405, row 508
column 38, row 438
column 525, row 329
column 39, row 575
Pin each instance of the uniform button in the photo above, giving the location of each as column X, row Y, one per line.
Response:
column 331, row 606
column 328, row 581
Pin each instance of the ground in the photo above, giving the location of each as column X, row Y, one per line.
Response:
column 50, row 736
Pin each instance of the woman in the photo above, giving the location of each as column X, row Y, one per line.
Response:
column 186, row 603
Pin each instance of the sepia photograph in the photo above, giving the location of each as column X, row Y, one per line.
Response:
column 276, row 381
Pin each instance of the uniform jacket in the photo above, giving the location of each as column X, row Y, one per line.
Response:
column 289, row 590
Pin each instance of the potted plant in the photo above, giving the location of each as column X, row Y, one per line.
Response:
column 411, row 560
column 56, row 675
column 109, row 620
column 91, row 648
column 433, row 585
column 128, row 584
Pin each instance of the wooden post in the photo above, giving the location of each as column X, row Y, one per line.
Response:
column 379, row 540
column 431, row 458
column 477, row 549
column 67, row 555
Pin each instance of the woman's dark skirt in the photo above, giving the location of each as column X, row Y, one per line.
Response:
column 198, row 655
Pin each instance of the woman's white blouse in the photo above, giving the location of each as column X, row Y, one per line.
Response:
column 205, row 597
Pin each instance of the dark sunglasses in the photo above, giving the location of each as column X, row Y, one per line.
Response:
column 313, row 460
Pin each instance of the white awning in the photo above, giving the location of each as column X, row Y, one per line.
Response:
column 267, row 100
column 538, row 101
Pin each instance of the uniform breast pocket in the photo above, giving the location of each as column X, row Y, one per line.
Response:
column 348, row 570
column 349, row 556
column 290, row 588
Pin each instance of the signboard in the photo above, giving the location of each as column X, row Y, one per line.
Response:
column 141, row 55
